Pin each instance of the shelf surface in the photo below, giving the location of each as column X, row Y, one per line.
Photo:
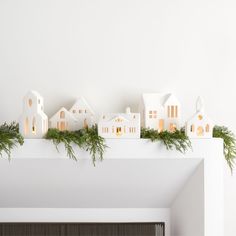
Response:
column 133, row 174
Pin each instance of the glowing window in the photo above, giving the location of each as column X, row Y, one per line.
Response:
column 200, row 117
column 30, row 102
column 62, row 115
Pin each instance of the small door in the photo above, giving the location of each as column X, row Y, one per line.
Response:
column 85, row 123
column 62, row 126
column 200, row 131
column 118, row 131
column 161, row 125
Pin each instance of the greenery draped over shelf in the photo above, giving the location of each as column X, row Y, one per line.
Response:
column 9, row 138
column 86, row 139
column 171, row 140
column 229, row 144
column 89, row 140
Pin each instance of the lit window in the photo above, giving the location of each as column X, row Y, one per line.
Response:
column 200, row 117
column 200, row 131
column 62, row 114
column 207, row 128
column 30, row 102
column 192, row 128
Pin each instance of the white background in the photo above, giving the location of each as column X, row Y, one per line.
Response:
column 112, row 51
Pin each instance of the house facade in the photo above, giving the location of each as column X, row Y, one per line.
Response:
column 63, row 120
column 121, row 125
column 33, row 122
column 160, row 111
column 199, row 125
column 83, row 113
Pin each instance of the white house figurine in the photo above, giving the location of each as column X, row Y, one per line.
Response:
column 160, row 111
column 121, row 125
column 33, row 122
column 199, row 125
column 63, row 120
column 83, row 113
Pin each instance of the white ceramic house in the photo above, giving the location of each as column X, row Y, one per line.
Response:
column 160, row 111
column 121, row 125
column 63, row 120
column 83, row 113
column 199, row 125
column 33, row 122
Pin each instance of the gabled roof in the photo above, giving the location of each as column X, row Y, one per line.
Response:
column 205, row 118
column 68, row 114
column 124, row 116
column 81, row 102
column 157, row 99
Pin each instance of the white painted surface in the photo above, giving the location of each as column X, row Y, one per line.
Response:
column 129, row 177
column 190, row 221
column 134, row 174
column 113, row 51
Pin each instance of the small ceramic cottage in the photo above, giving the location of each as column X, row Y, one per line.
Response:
column 33, row 122
column 160, row 111
column 83, row 113
column 63, row 120
column 122, row 125
column 200, row 125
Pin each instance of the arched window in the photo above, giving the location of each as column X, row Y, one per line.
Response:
column 207, row 128
column 34, row 125
column 192, row 128
column 62, row 115
column 200, row 131
column 30, row 102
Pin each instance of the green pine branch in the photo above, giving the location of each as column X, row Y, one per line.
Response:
column 229, row 144
column 9, row 138
column 86, row 139
column 172, row 140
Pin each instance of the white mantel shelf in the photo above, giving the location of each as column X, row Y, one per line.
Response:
column 138, row 181
column 117, row 149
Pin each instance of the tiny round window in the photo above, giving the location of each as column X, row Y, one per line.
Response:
column 200, row 117
column 30, row 102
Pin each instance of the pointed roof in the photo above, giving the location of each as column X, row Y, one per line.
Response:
column 200, row 112
column 33, row 93
column 157, row 99
column 81, row 102
column 68, row 114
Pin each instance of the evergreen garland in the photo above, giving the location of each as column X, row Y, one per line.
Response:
column 9, row 138
column 86, row 139
column 89, row 140
column 171, row 140
column 229, row 144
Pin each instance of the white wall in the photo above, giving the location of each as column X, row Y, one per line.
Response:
column 112, row 51
column 190, row 221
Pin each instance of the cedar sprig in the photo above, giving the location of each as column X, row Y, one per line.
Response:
column 229, row 144
column 9, row 138
column 86, row 139
column 177, row 139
